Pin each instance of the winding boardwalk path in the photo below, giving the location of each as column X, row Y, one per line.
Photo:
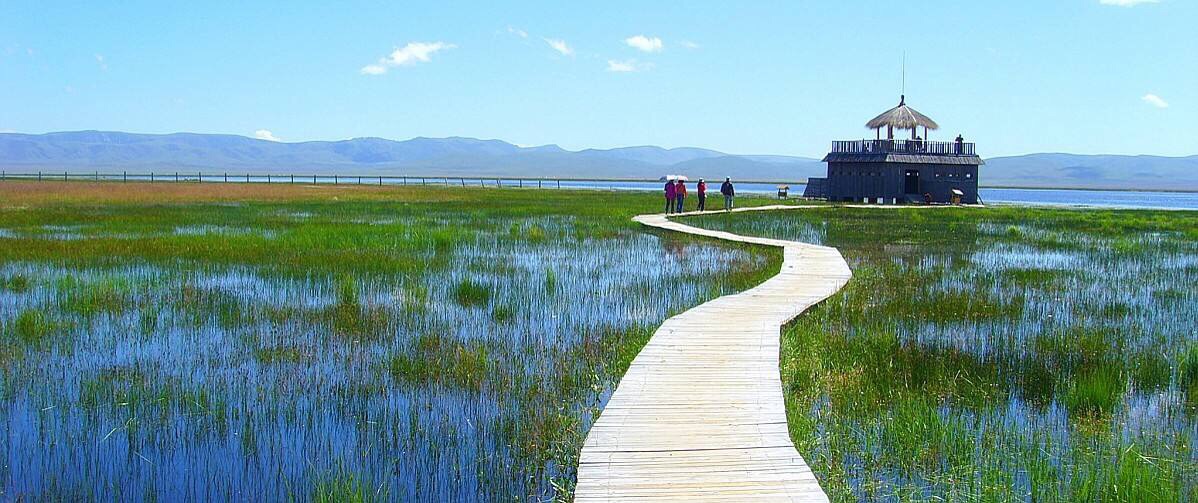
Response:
column 700, row 413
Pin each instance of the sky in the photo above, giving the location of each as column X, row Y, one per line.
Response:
column 1080, row 76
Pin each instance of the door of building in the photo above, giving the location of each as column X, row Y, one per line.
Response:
column 911, row 182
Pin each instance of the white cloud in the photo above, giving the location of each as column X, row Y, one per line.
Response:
column 688, row 44
column 374, row 70
column 1155, row 101
column 560, row 46
column 621, row 66
column 263, row 134
column 100, row 60
column 643, row 43
column 517, row 32
column 414, row 52
column 628, row 65
column 1126, row 3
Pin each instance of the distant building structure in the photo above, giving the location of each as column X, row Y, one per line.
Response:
column 890, row 171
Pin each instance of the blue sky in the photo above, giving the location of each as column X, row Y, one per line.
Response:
column 1084, row 76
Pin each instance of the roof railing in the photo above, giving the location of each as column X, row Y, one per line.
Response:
column 923, row 147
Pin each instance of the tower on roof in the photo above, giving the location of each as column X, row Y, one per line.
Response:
column 902, row 117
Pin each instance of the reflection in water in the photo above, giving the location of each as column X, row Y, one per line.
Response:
column 990, row 350
column 232, row 383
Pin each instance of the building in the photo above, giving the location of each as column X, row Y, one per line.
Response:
column 890, row 171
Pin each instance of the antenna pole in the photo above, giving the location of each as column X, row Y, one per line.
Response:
column 904, row 88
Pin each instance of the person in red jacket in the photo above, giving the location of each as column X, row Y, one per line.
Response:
column 669, row 196
column 702, row 190
column 680, row 195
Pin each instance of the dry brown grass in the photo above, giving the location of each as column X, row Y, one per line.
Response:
column 53, row 193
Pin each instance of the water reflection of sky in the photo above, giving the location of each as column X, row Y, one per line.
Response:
column 1140, row 303
column 215, row 422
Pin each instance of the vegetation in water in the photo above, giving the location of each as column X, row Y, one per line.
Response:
column 1000, row 354
column 211, row 342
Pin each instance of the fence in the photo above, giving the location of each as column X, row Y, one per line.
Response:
column 902, row 147
column 319, row 179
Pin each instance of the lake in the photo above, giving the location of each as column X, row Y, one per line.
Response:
column 1050, row 197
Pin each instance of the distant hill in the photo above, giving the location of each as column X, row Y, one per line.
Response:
column 89, row 151
column 1093, row 171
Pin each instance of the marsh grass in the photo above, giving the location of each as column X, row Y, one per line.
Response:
column 34, row 327
column 471, row 293
column 16, row 283
column 341, row 345
column 343, row 487
column 1187, row 374
column 1005, row 354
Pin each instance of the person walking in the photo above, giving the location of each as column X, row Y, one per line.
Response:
column 701, row 189
column 729, row 193
column 680, row 194
column 669, row 196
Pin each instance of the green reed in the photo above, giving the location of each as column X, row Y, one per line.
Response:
column 397, row 341
column 998, row 354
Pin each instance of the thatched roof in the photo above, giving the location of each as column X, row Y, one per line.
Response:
column 902, row 117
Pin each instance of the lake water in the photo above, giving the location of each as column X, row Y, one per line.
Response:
column 1048, row 197
column 1095, row 198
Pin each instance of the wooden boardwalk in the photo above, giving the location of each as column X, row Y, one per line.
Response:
column 700, row 413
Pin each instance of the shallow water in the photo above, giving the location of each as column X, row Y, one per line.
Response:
column 1068, row 301
column 213, row 382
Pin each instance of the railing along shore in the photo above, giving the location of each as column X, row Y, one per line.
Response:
column 339, row 179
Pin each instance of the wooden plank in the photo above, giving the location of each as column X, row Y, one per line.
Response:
column 700, row 416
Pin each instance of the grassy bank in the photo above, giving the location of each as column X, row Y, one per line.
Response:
column 996, row 354
column 212, row 342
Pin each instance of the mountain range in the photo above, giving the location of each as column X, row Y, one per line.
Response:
column 91, row 151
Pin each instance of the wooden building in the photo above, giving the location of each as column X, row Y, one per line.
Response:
column 890, row 171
